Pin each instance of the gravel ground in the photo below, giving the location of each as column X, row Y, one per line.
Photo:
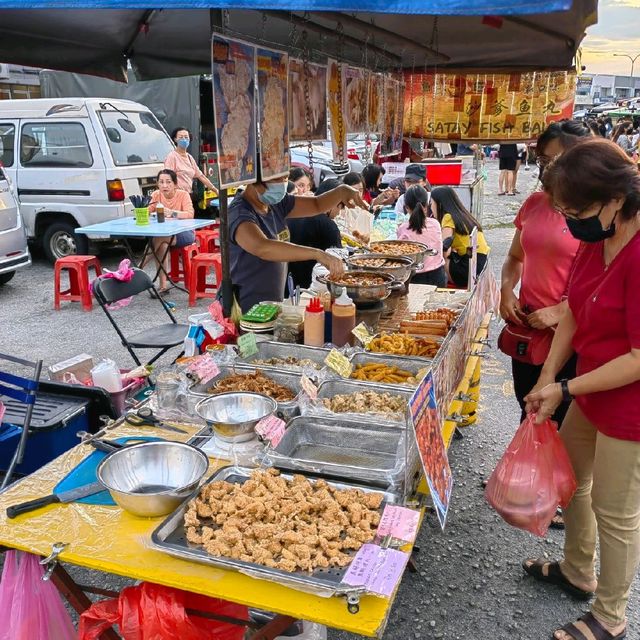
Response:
column 469, row 584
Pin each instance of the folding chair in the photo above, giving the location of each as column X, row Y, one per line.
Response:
column 162, row 337
column 23, row 390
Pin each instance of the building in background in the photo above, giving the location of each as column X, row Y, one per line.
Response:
column 17, row 81
column 595, row 89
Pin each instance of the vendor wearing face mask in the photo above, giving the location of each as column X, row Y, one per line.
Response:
column 182, row 162
column 260, row 239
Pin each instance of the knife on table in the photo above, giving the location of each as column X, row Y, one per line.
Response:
column 54, row 498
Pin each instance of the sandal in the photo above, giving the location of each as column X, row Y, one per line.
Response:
column 588, row 628
column 554, row 576
column 558, row 521
column 502, row 193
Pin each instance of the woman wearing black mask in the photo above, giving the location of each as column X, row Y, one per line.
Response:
column 596, row 188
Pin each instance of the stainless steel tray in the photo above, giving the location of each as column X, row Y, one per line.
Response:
column 170, row 537
column 341, row 448
column 402, row 362
column 330, row 388
column 272, row 349
column 288, row 379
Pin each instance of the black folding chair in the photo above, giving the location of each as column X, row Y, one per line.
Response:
column 23, row 390
column 162, row 337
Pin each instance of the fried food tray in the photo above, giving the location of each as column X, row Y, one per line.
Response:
column 339, row 448
column 170, row 537
column 407, row 363
column 271, row 349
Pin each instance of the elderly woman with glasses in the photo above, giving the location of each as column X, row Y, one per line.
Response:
column 595, row 188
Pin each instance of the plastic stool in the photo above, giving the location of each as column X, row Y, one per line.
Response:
column 198, row 286
column 78, row 291
column 181, row 263
column 206, row 240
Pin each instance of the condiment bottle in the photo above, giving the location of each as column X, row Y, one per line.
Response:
column 343, row 320
column 314, row 323
column 160, row 211
column 326, row 303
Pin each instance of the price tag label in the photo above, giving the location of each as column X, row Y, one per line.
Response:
column 399, row 523
column 376, row 569
column 362, row 333
column 247, row 344
column 272, row 429
column 204, row 367
column 308, row 387
column 339, row 363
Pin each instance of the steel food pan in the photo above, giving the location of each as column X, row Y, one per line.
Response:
column 170, row 537
column 407, row 363
column 400, row 272
column 421, row 250
column 272, row 349
column 363, row 292
column 341, row 448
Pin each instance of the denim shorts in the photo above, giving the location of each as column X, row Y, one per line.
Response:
column 185, row 238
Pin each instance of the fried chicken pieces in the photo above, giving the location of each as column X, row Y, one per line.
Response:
column 283, row 524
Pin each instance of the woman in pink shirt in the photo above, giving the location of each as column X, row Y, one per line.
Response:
column 182, row 162
column 421, row 227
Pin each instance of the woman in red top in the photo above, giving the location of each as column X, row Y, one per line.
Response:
column 596, row 187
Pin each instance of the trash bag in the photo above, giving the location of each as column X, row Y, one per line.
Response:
column 532, row 478
column 31, row 609
column 152, row 612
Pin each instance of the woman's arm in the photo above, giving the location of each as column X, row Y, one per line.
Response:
column 306, row 206
column 618, row 372
column 510, row 309
column 447, row 232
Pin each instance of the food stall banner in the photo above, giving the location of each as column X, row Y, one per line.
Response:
column 317, row 101
column 234, row 109
column 486, row 106
column 427, row 426
column 375, row 108
column 355, row 100
column 391, row 142
column 335, row 96
column 273, row 80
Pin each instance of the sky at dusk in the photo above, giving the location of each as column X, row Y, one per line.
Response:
column 617, row 31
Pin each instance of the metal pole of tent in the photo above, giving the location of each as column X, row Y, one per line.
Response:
column 226, row 285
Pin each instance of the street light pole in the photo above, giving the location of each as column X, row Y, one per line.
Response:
column 633, row 62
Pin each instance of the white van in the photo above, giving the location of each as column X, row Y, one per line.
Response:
column 14, row 252
column 76, row 161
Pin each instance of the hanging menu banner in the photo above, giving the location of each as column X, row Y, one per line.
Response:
column 427, row 425
column 391, row 134
column 317, row 87
column 233, row 69
column 486, row 106
column 355, row 100
column 335, row 93
column 375, row 107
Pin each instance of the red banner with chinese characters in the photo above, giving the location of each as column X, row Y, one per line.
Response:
column 486, row 106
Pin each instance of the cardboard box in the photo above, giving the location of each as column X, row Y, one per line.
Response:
column 80, row 366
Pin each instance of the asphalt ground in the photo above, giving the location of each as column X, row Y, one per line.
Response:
column 469, row 584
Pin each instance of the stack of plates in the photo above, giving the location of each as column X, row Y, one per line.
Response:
column 257, row 327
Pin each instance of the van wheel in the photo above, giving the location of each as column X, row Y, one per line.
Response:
column 5, row 277
column 60, row 240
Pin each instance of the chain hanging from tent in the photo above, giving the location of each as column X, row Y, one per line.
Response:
column 434, row 45
column 413, row 71
column 263, row 27
column 225, row 20
column 340, row 124
column 307, row 97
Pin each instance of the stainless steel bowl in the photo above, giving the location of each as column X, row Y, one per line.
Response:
column 152, row 479
column 400, row 272
column 234, row 415
column 421, row 250
column 363, row 293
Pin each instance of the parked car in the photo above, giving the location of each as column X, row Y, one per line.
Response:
column 14, row 253
column 324, row 164
column 360, row 143
column 76, row 161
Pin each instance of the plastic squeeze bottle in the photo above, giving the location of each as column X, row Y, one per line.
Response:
column 314, row 323
column 343, row 320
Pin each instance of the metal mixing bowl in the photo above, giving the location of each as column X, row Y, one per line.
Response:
column 152, row 479
column 234, row 415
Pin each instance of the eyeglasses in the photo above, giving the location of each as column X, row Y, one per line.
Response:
column 578, row 214
column 542, row 161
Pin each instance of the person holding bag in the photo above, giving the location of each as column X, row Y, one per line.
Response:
column 596, row 188
column 540, row 259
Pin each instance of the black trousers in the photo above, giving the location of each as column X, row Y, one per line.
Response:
column 437, row 277
column 525, row 377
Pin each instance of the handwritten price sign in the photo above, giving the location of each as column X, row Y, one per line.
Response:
column 272, row 429
column 399, row 523
column 376, row 569
column 204, row 367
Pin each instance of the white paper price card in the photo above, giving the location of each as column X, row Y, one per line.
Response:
column 399, row 523
column 339, row 363
column 377, row 570
column 204, row 367
column 362, row 333
column 272, row 429
column 308, row 387
column 247, row 344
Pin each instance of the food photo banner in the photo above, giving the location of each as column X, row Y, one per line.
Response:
column 314, row 105
column 486, row 106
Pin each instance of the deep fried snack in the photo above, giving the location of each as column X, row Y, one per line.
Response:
column 256, row 382
column 404, row 345
column 367, row 402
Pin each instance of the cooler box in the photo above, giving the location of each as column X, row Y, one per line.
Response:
column 54, row 424
column 449, row 173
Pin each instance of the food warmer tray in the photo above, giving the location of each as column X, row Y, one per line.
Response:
column 272, row 349
column 408, row 363
column 170, row 538
column 340, row 448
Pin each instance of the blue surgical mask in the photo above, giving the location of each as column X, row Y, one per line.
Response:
column 275, row 192
column 183, row 143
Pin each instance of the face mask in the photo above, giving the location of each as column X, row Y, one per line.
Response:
column 590, row 229
column 275, row 193
column 183, row 143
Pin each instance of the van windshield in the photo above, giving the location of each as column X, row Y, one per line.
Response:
column 137, row 138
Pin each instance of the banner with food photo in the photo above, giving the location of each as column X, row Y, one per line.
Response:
column 396, row 140
column 317, row 86
column 355, row 100
column 427, row 426
column 486, row 106
column 233, row 65
column 273, row 78
column 335, row 93
column 375, row 110
column 390, row 103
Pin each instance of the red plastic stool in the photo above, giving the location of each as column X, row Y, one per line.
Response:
column 198, row 285
column 181, row 263
column 78, row 291
column 206, row 240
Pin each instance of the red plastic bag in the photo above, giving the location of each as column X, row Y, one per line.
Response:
column 532, row 478
column 152, row 612
column 30, row 608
